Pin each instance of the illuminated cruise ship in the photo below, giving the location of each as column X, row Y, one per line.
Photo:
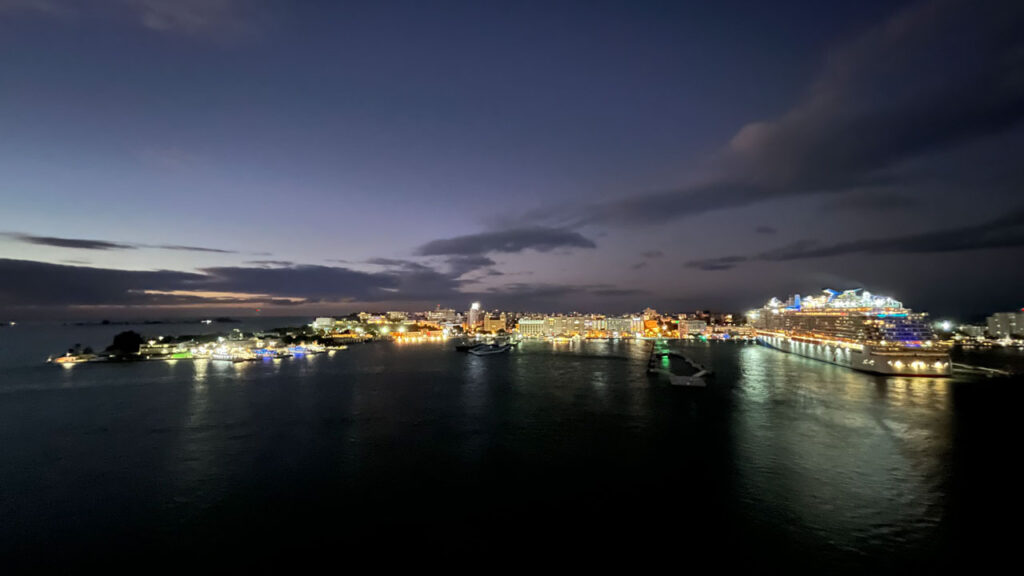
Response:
column 855, row 329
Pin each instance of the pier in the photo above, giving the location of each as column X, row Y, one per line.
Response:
column 660, row 351
column 982, row 370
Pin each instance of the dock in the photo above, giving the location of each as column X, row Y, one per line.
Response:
column 982, row 370
column 654, row 367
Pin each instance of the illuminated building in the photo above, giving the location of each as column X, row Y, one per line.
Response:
column 618, row 326
column 972, row 330
column 1005, row 324
column 564, row 325
column 442, row 315
column 532, row 327
column 324, row 323
column 691, row 327
column 474, row 315
column 495, row 322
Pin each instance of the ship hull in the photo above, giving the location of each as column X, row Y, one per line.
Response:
column 904, row 363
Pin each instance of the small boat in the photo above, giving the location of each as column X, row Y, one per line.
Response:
column 465, row 347
column 72, row 359
column 488, row 349
column 228, row 357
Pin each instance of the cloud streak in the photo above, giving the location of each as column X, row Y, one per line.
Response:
column 1003, row 232
column 76, row 243
column 540, row 239
column 90, row 244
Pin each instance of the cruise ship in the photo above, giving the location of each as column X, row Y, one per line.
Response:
column 856, row 329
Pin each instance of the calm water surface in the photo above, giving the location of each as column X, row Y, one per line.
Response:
column 415, row 452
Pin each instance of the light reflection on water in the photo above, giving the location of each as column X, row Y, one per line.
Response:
column 852, row 457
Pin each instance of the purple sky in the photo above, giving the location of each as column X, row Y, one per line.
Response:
column 306, row 157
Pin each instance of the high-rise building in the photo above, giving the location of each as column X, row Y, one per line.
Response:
column 636, row 324
column 474, row 316
column 618, row 325
column 1006, row 324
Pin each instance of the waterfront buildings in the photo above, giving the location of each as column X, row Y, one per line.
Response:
column 1006, row 324
column 972, row 330
column 442, row 315
column 590, row 326
column 618, row 325
column 495, row 323
column 689, row 327
column 532, row 327
column 324, row 323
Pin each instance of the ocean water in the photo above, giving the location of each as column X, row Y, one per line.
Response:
column 414, row 453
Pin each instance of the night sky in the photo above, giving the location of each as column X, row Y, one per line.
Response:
column 172, row 157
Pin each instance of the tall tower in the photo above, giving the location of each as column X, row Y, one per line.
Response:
column 473, row 316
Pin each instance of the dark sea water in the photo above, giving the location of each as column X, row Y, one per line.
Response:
column 571, row 453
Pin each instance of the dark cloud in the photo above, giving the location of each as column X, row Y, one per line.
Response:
column 28, row 283
column 933, row 76
column 512, row 240
column 398, row 263
column 300, row 281
column 723, row 263
column 78, row 243
column 652, row 254
column 1003, row 232
column 765, row 230
column 270, row 262
column 189, row 248
column 86, row 244
column 462, row 265
column 617, row 292
column 639, row 265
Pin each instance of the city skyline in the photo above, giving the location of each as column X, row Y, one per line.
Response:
column 314, row 158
